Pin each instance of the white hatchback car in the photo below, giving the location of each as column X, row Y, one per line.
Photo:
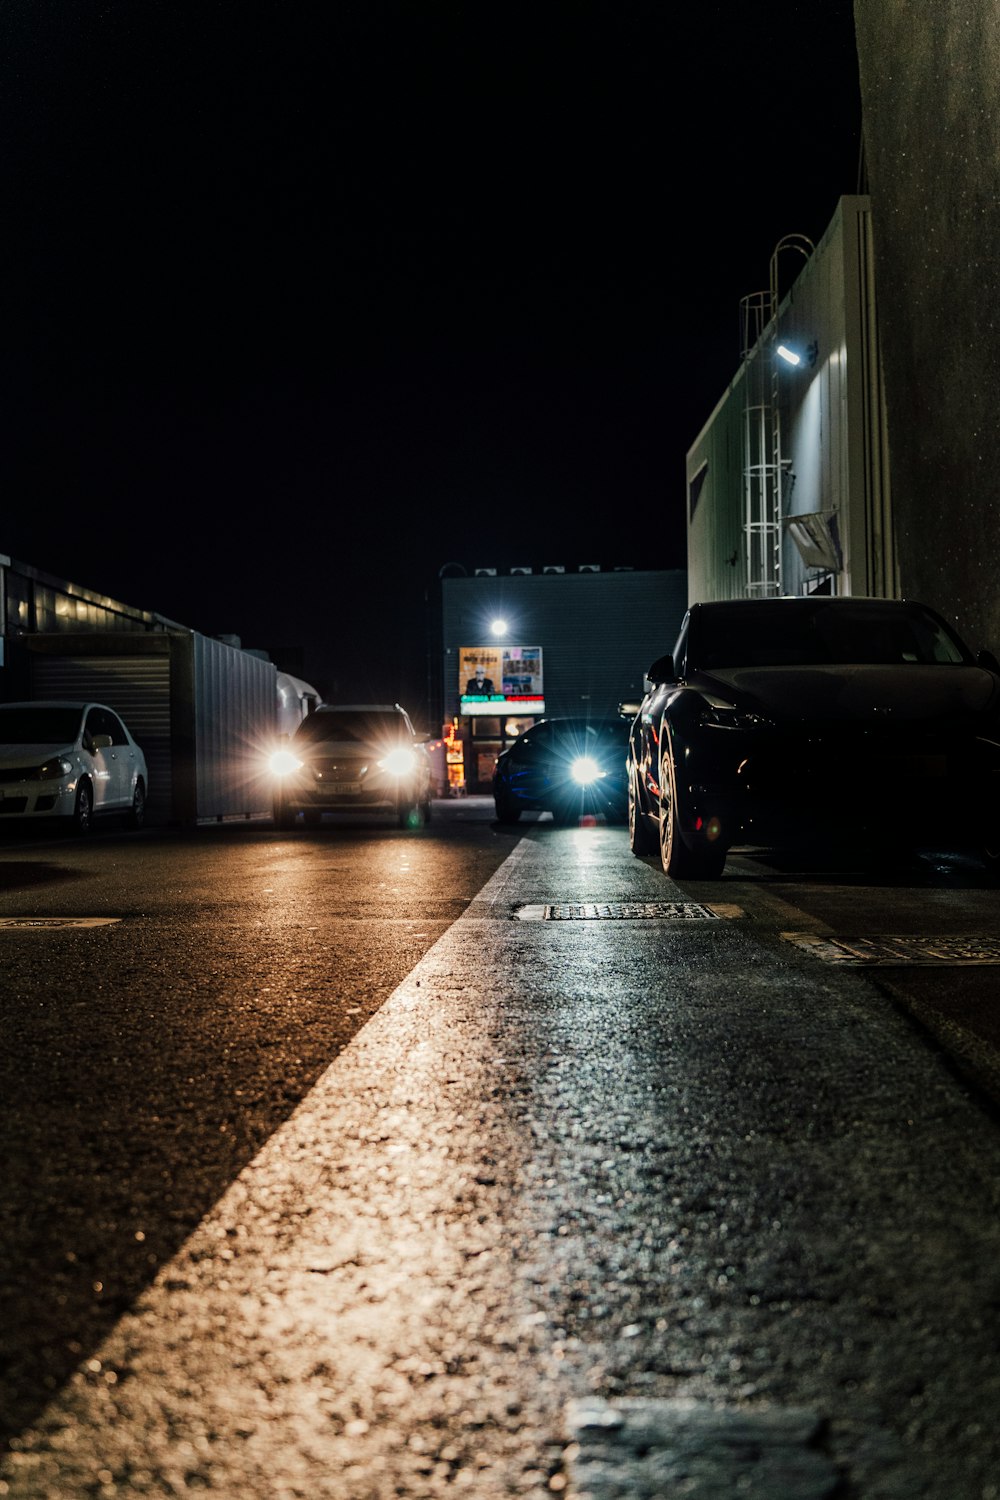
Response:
column 69, row 760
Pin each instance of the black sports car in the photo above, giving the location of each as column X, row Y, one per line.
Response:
column 570, row 767
column 779, row 721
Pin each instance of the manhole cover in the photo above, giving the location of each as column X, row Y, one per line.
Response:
column 899, row 949
column 46, row 924
column 617, row 911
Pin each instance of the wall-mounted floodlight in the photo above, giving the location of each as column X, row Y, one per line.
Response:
column 498, row 627
column 789, row 355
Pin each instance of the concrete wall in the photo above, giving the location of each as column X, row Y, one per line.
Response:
column 930, row 89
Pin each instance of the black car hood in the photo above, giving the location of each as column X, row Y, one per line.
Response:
column 906, row 691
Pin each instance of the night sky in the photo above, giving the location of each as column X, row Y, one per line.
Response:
column 303, row 302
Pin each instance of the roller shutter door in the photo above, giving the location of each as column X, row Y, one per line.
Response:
column 137, row 688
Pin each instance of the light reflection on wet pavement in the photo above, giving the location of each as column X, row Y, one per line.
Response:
column 567, row 1163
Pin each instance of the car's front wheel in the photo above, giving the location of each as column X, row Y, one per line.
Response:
column 137, row 812
column 989, row 852
column 284, row 814
column 83, row 809
column 411, row 815
column 641, row 837
column 507, row 811
column 678, row 859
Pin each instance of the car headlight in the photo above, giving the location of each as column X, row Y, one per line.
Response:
column 718, row 714
column 401, row 762
column 585, row 770
column 283, row 763
column 52, row 770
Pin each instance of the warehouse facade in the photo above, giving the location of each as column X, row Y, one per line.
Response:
column 573, row 641
column 206, row 713
column 788, row 486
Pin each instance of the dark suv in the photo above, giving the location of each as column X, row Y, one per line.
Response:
column 353, row 757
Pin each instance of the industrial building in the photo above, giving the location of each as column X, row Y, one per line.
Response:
column 548, row 641
column 788, row 481
column 205, row 712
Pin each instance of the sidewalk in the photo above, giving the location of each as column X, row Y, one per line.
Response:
column 960, row 1011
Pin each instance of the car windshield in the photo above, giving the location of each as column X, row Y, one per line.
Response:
column 590, row 736
column 364, row 727
column 37, row 725
column 572, row 737
column 792, row 634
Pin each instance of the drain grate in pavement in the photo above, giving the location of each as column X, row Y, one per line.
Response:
column 899, row 949
column 648, row 1449
column 618, row 911
column 49, row 924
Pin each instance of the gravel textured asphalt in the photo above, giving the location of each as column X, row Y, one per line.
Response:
column 593, row 1208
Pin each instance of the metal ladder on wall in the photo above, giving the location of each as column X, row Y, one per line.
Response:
column 761, row 458
column 763, row 465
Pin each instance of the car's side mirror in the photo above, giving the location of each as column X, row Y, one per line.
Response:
column 101, row 742
column 662, row 670
column 988, row 660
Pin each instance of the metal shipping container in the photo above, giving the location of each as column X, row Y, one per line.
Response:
column 204, row 712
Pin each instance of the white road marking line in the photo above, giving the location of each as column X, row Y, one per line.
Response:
column 339, row 1245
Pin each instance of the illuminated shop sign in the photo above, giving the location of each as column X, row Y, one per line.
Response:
column 497, row 679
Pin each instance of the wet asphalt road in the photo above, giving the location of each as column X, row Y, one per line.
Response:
column 330, row 1174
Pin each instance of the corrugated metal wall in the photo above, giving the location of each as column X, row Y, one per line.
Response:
column 598, row 631
column 833, row 444
column 235, row 715
column 717, row 564
column 136, row 687
column 204, row 713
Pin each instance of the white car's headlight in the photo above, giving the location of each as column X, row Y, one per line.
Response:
column 585, row 770
column 283, row 763
column 53, row 770
column 400, row 762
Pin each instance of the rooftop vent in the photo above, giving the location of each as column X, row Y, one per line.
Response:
column 516, row 572
column 590, row 567
column 554, row 568
column 484, row 572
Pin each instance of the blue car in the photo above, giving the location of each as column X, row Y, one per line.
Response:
column 572, row 768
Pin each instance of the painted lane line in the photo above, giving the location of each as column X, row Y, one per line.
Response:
column 49, row 924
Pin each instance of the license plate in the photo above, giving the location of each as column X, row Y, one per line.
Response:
column 345, row 788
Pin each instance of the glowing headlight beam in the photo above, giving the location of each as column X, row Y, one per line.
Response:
column 283, row 763
column 399, row 762
column 585, row 770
